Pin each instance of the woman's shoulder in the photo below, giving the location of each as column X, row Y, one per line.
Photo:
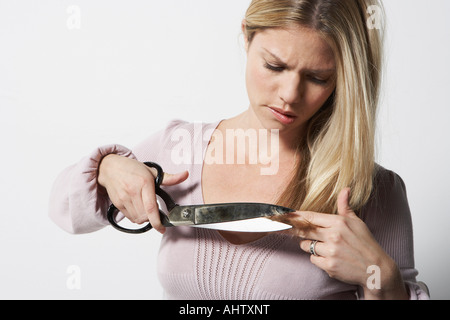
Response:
column 388, row 196
column 386, row 180
column 177, row 127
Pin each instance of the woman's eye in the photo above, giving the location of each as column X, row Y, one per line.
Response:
column 318, row 81
column 281, row 69
column 274, row 68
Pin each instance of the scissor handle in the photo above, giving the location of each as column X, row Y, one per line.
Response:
column 113, row 210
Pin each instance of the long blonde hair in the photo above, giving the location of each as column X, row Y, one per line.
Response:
column 338, row 150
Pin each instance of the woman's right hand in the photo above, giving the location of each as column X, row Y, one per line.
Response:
column 130, row 185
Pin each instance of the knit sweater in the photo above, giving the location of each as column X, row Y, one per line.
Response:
column 197, row 263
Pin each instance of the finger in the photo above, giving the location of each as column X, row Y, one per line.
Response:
column 151, row 209
column 323, row 220
column 318, row 260
column 172, row 179
column 300, row 227
column 305, row 245
column 127, row 209
column 343, row 203
column 139, row 210
column 155, row 221
column 124, row 214
column 294, row 219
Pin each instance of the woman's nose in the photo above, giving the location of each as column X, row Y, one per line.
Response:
column 290, row 90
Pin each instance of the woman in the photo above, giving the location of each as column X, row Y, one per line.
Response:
column 313, row 77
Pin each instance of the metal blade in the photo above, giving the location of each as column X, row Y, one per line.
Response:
column 223, row 212
column 236, row 211
column 248, row 225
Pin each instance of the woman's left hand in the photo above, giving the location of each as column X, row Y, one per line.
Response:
column 348, row 252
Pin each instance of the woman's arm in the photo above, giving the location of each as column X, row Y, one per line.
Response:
column 388, row 217
column 346, row 249
column 130, row 185
column 77, row 203
column 374, row 251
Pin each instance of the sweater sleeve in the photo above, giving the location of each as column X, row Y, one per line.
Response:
column 388, row 217
column 77, row 203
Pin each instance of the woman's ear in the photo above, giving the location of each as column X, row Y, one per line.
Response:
column 244, row 32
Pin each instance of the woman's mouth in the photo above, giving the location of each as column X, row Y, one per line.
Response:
column 285, row 117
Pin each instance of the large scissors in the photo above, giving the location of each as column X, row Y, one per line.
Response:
column 203, row 214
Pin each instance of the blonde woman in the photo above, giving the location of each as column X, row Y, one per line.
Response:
column 313, row 77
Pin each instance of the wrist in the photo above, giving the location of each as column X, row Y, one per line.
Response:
column 385, row 283
column 103, row 167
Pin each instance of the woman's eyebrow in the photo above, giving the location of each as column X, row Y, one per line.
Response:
column 275, row 57
column 312, row 71
column 317, row 71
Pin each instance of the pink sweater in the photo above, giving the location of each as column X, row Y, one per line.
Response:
column 196, row 263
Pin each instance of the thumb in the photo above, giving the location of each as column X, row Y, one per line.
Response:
column 343, row 203
column 172, row 179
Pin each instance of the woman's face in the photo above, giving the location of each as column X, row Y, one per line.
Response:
column 290, row 75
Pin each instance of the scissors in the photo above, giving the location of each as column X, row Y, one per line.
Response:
column 201, row 215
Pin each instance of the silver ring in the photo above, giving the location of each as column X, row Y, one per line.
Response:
column 312, row 248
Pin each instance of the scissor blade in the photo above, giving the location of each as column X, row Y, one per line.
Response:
column 248, row 225
column 236, row 211
column 223, row 212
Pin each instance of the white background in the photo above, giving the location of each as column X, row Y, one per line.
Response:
column 131, row 67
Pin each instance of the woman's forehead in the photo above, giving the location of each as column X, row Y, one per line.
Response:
column 294, row 45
